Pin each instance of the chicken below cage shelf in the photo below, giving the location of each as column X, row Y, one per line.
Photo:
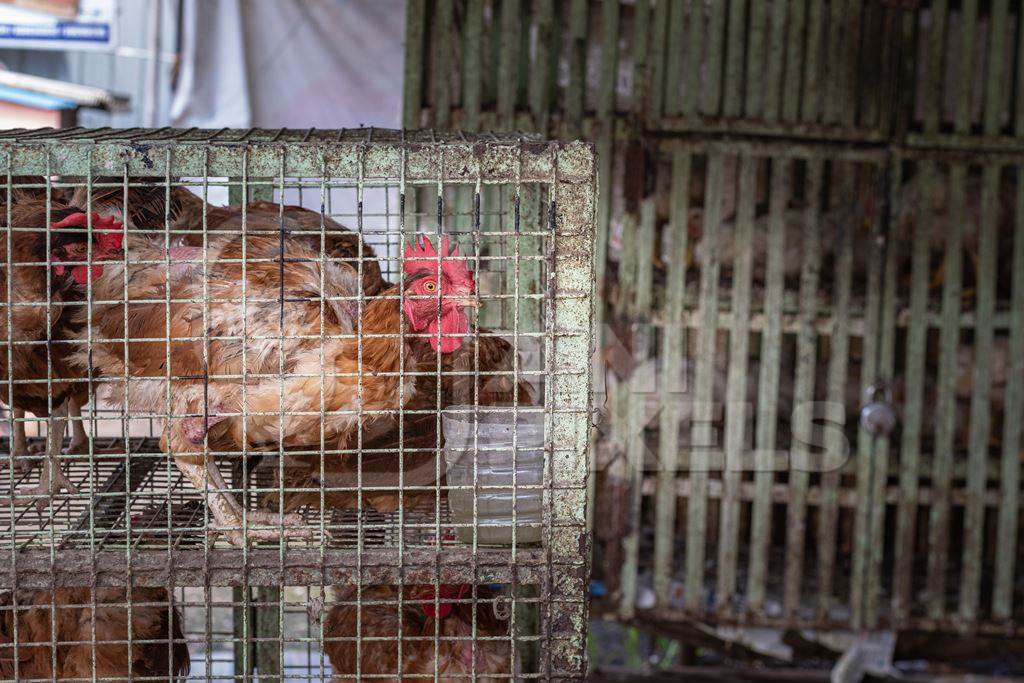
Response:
column 140, row 639
column 436, row 633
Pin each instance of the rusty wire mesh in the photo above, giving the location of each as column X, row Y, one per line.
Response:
column 147, row 560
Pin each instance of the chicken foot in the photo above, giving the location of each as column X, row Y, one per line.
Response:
column 228, row 514
column 52, row 479
column 19, row 444
column 79, row 438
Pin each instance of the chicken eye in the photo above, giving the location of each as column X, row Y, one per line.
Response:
column 430, row 286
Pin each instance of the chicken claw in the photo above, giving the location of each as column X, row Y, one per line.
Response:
column 51, row 482
column 239, row 538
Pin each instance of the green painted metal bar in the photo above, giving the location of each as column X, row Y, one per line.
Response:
column 575, row 93
column 965, row 74
column 910, row 447
column 866, row 444
column 639, row 386
column 472, row 65
column 768, row 387
column 442, row 40
column 733, row 104
column 736, row 387
column 636, row 387
column 886, row 370
column 606, row 139
column 801, row 459
column 524, row 69
column 979, row 432
column 1018, row 123
column 642, row 302
column 674, row 59
column 508, row 62
column 493, row 32
column 1013, row 404
column 995, row 73
column 701, row 440
column 810, row 106
column 656, row 60
column 672, row 382
column 835, row 440
column 757, row 80
column 833, row 70
column 794, row 62
column 543, row 72
column 851, row 92
column 691, row 84
column 641, row 33
column 773, row 75
column 415, row 34
column 716, row 45
column 946, row 402
column 932, row 89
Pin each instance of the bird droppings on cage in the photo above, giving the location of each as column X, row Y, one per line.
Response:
column 265, row 390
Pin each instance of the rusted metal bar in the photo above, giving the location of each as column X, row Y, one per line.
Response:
column 915, row 351
column 702, row 441
column 736, row 388
column 945, row 418
column 980, row 410
column 800, row 459
column 1009, row 477
column 672, row 383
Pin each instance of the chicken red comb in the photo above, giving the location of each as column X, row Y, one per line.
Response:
column 445, row 593
column 107, row 230
column 421, row 256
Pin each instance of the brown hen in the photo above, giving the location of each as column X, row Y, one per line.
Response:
column 36, row 651
column 459, row 652
column 332, row 381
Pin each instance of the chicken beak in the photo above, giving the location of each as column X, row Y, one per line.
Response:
column 466, row 301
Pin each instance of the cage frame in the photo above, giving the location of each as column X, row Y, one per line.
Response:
column 371, row 157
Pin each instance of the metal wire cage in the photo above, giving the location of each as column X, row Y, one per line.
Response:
column 410, row 496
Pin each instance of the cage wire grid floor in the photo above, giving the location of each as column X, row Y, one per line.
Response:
column 139, row 485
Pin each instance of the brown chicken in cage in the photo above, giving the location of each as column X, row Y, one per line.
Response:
column 339, row 243
column 417, row 437
column 457, row 653
column 43, row 322
column 308, row 334
column 91, row 630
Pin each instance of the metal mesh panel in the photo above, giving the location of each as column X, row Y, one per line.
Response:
column 271, row 397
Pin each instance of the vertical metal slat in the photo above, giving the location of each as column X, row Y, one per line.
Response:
column 703, row 395
column 443, row 39
column 945, row 407
column 800, row 458
column 768, row 386
column 1013, row 405
column 736, row 387
column 835, row 439
column 773, row 76
column 672, row 382
column 415, row 34
column 910, row 446
column 980, row 425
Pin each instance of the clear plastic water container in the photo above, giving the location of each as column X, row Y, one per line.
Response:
column 486, row 439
